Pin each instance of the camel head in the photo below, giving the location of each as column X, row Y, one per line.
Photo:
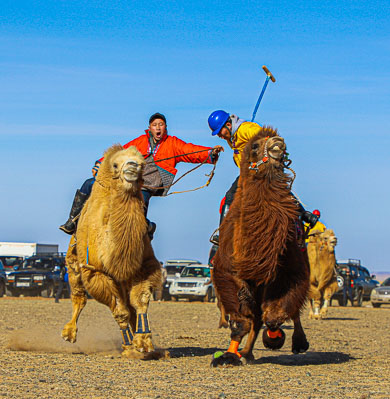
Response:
column 122, row 168
column 329, row 240
column 267, row 148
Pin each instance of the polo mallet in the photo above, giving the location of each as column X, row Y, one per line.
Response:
column 269, row 76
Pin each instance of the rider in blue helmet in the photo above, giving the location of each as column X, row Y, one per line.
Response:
column 237, row 132
column 217, row 120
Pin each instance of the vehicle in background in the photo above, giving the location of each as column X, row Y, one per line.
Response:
column 39, row 275
column 3, row 279
column 25, row 249
column 362, row 283
column 381, row 294
column 173, row 267
column 12, row 254
column 194, row 282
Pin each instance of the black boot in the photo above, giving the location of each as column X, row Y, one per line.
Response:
column 308, row 217
column 151, row 229
column 70, row 225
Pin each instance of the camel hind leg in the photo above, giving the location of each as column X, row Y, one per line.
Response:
column 78, row 294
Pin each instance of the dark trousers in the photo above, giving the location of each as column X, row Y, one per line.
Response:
column 147, row 195
column 347, row 294
column 61, row 288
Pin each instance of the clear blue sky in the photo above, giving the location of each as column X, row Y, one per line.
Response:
column 77, row 77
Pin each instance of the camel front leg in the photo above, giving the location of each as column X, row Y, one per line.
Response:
column 299, row 342
column 79, row 300
column 140, row 295
column 315, row 302
column 328, row 292
column 247, row 351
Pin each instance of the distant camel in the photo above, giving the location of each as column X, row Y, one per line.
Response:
column 261, row 269
column 110, row 255
column 323, row 282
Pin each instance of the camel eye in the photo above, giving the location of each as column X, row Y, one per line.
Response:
column 115, row 165
column 255, row 146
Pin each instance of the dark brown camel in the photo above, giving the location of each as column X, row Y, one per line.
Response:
column 261, row 269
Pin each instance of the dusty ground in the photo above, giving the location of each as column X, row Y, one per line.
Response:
column 348, row 356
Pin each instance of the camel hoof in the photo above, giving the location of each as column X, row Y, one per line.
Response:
column 273, row 343
column 130, row 352
column 227, row 359
column 247, row 359
column 299, row 345
column 69, row 333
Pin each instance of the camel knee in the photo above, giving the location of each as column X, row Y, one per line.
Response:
column 239, row 328
column 121, row 316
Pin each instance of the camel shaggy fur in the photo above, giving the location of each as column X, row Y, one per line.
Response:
column 111, row 257
column 323, row 282
column 261, row 269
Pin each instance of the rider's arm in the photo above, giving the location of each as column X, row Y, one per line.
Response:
column 180, row 148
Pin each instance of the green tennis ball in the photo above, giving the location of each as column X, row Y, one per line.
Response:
column 218, row 354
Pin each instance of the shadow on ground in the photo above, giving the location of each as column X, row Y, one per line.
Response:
column 191, row 351
column 306, row 359
column 340, row 318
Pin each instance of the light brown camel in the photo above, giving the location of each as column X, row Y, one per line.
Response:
column 323, row 283
column 110, row 255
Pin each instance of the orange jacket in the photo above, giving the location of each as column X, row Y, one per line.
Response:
column 168, row 147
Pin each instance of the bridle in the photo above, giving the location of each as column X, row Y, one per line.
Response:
column 255, row 165
column 286, row 162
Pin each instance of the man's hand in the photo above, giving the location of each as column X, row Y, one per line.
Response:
column 217, row 149
column 215, row 152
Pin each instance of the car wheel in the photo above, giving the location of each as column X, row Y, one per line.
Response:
column 173, row 298
column 207, row 297
column 48, row 292
column 376, row 305
column 358, row 300
column 2, row 288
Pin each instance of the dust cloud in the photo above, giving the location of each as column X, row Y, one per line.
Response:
column 42, row 339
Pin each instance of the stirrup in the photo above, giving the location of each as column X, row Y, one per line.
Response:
column 214, row 239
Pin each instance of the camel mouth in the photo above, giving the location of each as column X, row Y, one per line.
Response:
column 276, row 148
column 130, row 171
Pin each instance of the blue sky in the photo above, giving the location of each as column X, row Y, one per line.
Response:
column 77, row 77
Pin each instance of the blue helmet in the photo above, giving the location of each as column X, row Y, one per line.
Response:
column 217, row 120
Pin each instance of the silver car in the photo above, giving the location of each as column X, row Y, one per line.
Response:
column 381, row 295
column 194, row 282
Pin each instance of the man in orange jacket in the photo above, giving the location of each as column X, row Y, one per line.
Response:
column 156, row 146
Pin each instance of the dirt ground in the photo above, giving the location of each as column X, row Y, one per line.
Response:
column 348, row 355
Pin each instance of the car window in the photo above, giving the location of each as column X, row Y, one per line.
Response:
column 196, row 272
column 172, row 270
column 386, row 282
column 1, row 266
column 10, row 261
column 354, row 271
column 38, row 263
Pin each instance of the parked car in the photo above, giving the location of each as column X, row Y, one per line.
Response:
column 9, row 262
column 194, row 282
column 38, row 275
column 381, row 295
column 3, row 279
column 173, row 267
column 362, row 283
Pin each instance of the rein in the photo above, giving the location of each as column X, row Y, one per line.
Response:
column 209, row 175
